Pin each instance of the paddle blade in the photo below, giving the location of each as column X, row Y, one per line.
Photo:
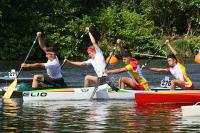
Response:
column 10, row 89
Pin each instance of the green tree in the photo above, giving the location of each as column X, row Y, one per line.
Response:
column 138, row 32
column 173, row 16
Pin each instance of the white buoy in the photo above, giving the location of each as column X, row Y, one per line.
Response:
column 193, row 110
column 12, row 73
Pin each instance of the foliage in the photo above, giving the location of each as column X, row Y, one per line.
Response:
column 141, row 23
column 187, row 45
column 137, row 31
column 174, row 16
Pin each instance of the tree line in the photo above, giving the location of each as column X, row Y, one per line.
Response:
column 142, row 24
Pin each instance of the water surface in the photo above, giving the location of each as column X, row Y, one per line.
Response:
column 95, row 116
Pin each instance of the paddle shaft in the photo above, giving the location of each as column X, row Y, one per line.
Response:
column 153, row 55
column 27, row 56
column 148, row 55
column 99, row 78
column 62, row 64
column 65, row 57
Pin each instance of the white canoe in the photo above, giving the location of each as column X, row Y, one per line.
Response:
column 103, row 92
column 193, row 110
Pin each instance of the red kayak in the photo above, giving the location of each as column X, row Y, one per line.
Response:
column 167, row 97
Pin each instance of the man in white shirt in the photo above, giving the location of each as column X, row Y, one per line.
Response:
column 53, row 76
column 177, row 69
column 96, row 60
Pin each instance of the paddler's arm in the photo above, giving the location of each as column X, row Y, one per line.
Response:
column 38, row 65
column 75, row 63
column 158, row 69
column 119, row 70
column 41, row 41
column 94, row 43
column 170, row 47
column 155, row 69
column 174, row 51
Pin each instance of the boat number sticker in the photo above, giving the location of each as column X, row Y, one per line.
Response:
column 84, row 89
column 165, row 83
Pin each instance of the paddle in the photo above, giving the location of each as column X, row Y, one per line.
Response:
column 77, row 44
column 12, row 86
column 154, row 55
column 99, row 78
column 63, row 62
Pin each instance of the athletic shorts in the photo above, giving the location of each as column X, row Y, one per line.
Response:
column 103, row 80
column 190, row 88
column 143, row 86
column 59, row 83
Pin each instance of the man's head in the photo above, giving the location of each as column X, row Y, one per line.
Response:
column 127, row 57
column 91, row 52
column 172, row 60
column 50, row 53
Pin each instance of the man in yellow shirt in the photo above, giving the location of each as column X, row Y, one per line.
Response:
column 135, row 81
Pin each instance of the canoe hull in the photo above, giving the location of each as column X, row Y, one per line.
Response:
column 168, row 97
column 102, row 93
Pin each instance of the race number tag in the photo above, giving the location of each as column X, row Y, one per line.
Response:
column 165, row 83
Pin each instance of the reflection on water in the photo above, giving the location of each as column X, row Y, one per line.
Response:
column 9, row 110
column 10, row 107
column 92, row 116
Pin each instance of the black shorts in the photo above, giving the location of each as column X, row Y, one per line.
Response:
column 103, row 80
column 59, row 83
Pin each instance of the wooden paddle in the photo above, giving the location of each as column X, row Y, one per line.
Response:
column 99, row 78
column 12, row 86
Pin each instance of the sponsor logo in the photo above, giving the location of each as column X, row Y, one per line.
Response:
column 84, row 89
column 35, row 94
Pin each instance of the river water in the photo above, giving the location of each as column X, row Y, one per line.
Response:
column 95, row 116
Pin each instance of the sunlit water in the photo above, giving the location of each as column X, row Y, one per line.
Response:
column 95, row 116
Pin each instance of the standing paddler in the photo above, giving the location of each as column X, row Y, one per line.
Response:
column 96, row 60
column 177, row 69
column 53, row 76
